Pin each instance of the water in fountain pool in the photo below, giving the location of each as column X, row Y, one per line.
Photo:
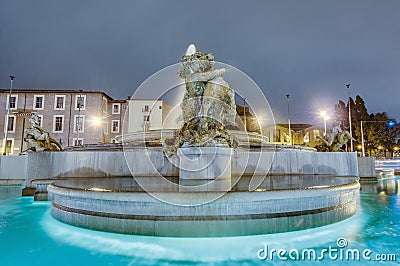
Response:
column 30, row 236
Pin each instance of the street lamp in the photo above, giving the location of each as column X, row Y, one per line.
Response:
column 78, row 120
column 260, row 121
column 244, row 114
column 8, row 116
column 97, row 122
column 288, row 111
column 325, row 117
column 351, row 132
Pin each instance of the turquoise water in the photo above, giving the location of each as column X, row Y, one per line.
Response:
column 30, row 236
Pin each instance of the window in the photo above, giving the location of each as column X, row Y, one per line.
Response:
column 146, row 108
column 40, row 120
column 286, row 137
column 116, row 108
column 146, row 118
column 160, row 107
column 77, row 141
column 58, row 124
column 9, row 146
column 80, row 102
column 59, row 102
column 11, row 123
column 38, row 102
column 306, row 137
column 115, row 126
column 79, row 123
column 277, row 135
column 12, row 102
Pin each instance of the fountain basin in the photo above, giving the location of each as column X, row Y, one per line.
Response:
column 280, row 204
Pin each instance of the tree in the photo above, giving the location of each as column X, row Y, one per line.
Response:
column 341, row 113
column 361, row 114
column 381, row 135
column 377, row 132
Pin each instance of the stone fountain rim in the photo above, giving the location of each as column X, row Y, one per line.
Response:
column 275, row 193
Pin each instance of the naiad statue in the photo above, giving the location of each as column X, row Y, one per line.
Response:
column 37, row 139
column 337, row 138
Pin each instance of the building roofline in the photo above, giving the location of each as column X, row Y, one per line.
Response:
column 36, row 90
column 150, row 100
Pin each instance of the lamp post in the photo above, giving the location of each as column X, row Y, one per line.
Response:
column 362, row 140
column 244, row 114
column 288, row 110
column 351, row 132
column 260, row 121
column 78, row 121
column 325, row 117
column 8, row 116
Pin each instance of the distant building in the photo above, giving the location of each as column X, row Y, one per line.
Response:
column 302, row 134
column 310, row 136
column 73, row 117
column 146, row 115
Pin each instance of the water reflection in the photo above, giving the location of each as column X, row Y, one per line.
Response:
column 9, row 192
column 384, row 186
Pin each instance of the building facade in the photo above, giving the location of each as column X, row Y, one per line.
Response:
column 73, row 117
column 147, row 115
column 77, row 117
column 302, row 134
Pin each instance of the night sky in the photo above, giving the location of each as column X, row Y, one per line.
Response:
column 308, row 49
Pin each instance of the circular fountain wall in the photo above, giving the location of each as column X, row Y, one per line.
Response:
column 279, row 204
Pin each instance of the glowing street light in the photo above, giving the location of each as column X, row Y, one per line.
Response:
column 325, row 116
column 96, row 121
column 260, row 122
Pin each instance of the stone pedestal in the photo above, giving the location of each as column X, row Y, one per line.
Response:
column 205, row 168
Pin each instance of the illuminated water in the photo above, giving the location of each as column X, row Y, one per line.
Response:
column 30, row 236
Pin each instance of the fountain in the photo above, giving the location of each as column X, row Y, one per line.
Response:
column 203, row 182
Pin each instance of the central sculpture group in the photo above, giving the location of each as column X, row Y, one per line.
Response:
column 208, row 105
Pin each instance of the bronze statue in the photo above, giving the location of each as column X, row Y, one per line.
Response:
column 337, row 138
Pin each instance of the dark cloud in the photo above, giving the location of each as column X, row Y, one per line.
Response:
column 308, row 49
